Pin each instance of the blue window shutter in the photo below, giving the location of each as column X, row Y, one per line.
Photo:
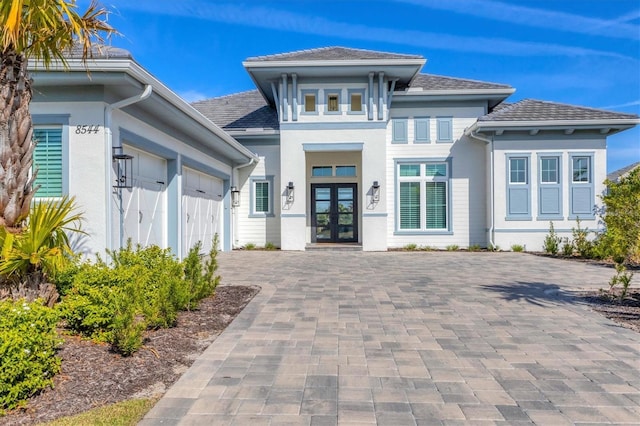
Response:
column 582, row 200
column 399, row 128
column 47, row 159
column 445, row 129
column 550, row 201
column 421, row 129
column 518, row 187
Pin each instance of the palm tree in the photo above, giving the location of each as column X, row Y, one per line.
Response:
column 42, row 30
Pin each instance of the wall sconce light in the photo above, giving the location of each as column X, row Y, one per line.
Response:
column 235, row 196
column 290, row 192
column 375, row 190
column 124, row 168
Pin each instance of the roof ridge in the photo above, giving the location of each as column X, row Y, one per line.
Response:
column 225, row 96
column 464, row 79
column 325, row 48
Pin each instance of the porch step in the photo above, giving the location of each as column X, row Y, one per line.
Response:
column 334, row 247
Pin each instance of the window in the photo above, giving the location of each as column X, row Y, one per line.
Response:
column 518, row 170
column 549, row 188
column 399, row 130
column 421, row 130
column 261, row 196
column 444, row 129
column 345, row 170
column 356, row 101
column 424, row 196
column 581, row 188
column 518, row 187
column 318, row 171
column 47, row 159
column 309, row 102
column 581, row 169
column 549, row 170
column 333, row 102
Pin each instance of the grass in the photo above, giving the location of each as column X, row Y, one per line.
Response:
column 453, row 247
column 123, row 413
column 517, row 248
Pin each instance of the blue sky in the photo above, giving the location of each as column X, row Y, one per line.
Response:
column 583, row 52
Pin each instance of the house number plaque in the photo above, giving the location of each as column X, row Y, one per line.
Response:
column 85, row 129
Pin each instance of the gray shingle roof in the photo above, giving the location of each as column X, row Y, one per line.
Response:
column 616, row 175
column 245, row 110
column 439, row 82
column 99, row 51
column 534, row 110
column 333, row 53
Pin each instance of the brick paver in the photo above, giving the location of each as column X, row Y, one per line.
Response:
column 404, row 338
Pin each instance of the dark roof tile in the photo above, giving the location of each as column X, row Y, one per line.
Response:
column 334, row 53
column 439, row 82
column 534, row 110
column 245, row 110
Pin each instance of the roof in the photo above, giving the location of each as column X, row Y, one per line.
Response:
column 615, row 176
column 245, row 110
column 333, row 53
column 99, row 51
column 535, row 110
column 439, row 82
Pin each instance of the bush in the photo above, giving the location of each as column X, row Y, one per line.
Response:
column 581, row 241
column 249, row 246
column 269, row 246
column 411, row 247
column 452, row 247
column 201, row 280
column 517, row 248
column 567, row 247
column 475, row 247
column 28, row 343
column 552, row 241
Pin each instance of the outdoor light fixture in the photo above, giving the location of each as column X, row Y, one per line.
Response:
column 124, row 167
column 375, row 190
column 289, row 191
column 235, row 196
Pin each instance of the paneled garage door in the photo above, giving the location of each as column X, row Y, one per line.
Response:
column 144, row 204
column 201, row 209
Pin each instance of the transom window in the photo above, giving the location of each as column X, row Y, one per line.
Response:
column 345, row 170
column 340, row 171
column 319, row 171
column 424, row 196
column 517, row 170
column 581, row 169
column 549, row 170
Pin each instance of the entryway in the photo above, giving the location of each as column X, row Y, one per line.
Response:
column 334, row 213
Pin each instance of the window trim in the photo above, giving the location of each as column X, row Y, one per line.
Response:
column 573, row 186
column 252, row 194
column 395, row 121
column 361, row 92
column 423, row 179
column 441, row 121
column 545, row 186
column 416, row 137
column 518, row 186
column 330, row 92
column 303, row 93
column 50, row 121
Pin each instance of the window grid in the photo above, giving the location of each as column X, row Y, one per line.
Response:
column 581, row 172
column 424, row 199
column 549, row 170
column 517, row 170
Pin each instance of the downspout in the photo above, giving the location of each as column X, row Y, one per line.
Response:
column 108, row 112
column 475, row 135
column 234, row 211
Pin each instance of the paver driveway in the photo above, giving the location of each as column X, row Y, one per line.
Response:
column 405, row 338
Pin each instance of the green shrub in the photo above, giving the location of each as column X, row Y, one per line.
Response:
column 517, row 248
column 269, row 246
column 128, row 323
column 581, row 241
column 492, row 247
column 249, row 246
column 622, row 278
column 567, row 247
column 452, row 247
column 28, row 343
column 201, row 279
column 475, row 247
column 411, row 247
column 552, row 241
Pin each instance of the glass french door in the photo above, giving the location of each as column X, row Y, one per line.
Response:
column 334, row 213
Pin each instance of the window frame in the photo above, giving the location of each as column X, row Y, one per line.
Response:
column 423, row 179
column 547, row 188
column 55, row 122
column 303, row 95
column 581, row 187
column 253, row 180
column 327, row 94
column 350, row 93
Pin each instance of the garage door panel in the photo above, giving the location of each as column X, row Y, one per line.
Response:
column 202, row 206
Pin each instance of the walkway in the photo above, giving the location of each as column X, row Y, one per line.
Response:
column 405, row 338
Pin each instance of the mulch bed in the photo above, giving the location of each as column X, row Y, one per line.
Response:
column 92, row 375
column 624, row 312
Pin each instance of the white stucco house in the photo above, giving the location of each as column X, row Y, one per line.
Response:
column 335, row 145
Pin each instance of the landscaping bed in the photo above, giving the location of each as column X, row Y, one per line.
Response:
column 93, row 375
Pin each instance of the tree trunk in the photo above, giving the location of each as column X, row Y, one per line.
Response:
column 29, row 287
column 16, row 144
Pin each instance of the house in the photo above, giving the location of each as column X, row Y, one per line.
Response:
column 334, row 145
column 142, row 163
column 361, row 147
column 616, row 175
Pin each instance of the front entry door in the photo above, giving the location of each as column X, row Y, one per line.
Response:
column 334, row 213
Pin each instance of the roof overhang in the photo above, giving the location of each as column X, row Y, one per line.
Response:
column 263, row 73
column 604, row 127
column 125, row 78
column 493, row 96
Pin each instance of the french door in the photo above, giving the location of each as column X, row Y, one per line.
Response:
column 334, row 213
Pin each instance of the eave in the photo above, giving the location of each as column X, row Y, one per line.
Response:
column 604, row 127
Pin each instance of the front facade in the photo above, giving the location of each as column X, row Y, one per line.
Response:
column 359, row 147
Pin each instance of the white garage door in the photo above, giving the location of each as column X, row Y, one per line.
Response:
column 201, row 209
column 144, row 204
